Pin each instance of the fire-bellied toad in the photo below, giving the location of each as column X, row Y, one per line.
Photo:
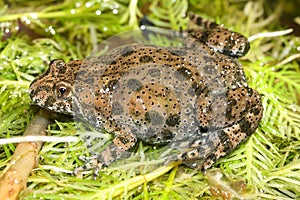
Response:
column 193, row 98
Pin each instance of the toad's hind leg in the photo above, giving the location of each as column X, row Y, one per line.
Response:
column 206, row 149
column 204, row 23
column 217, row 37
column 211, row 143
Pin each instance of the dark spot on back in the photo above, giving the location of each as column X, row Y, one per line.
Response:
column 198, row 89
column 146, row 59
column 231, row 102
column 173, row 120
column 208, row 59
column 127, row 51
column 154, row 72
column 89, row 80
column 167, row 134
column 151, row 132
column 123, row 140
column 203, row 129
column 154, row 118
column 113, row 62
column 245, row 126
column 81, row 73
column 228, row 114
column 210, row 69
column 183, row 74
column 117, row 108
column 111, row 85
column 191, row 91
column 256, row 111
column 134, row 84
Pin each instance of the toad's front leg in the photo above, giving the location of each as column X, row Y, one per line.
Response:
column 118, row 149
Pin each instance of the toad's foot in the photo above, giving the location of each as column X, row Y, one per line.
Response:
column 91, row 163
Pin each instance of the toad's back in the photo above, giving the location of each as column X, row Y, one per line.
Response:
column 153, row 91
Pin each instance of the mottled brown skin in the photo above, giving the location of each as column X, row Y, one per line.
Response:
column 195, row 99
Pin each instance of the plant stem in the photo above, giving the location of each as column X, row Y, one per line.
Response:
column 132, row 183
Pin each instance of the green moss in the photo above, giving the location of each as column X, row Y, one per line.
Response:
column 268, row 162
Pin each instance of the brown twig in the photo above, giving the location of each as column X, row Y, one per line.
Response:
column 14, row 177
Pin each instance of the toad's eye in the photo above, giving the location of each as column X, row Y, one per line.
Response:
column 63, row 90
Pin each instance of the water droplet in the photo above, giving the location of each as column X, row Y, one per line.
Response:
column 88, row 4
column 73, row 11
column 51, row 30
column 27, row 21
column 115, row 11
column 98, row 12
column 78, row 4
